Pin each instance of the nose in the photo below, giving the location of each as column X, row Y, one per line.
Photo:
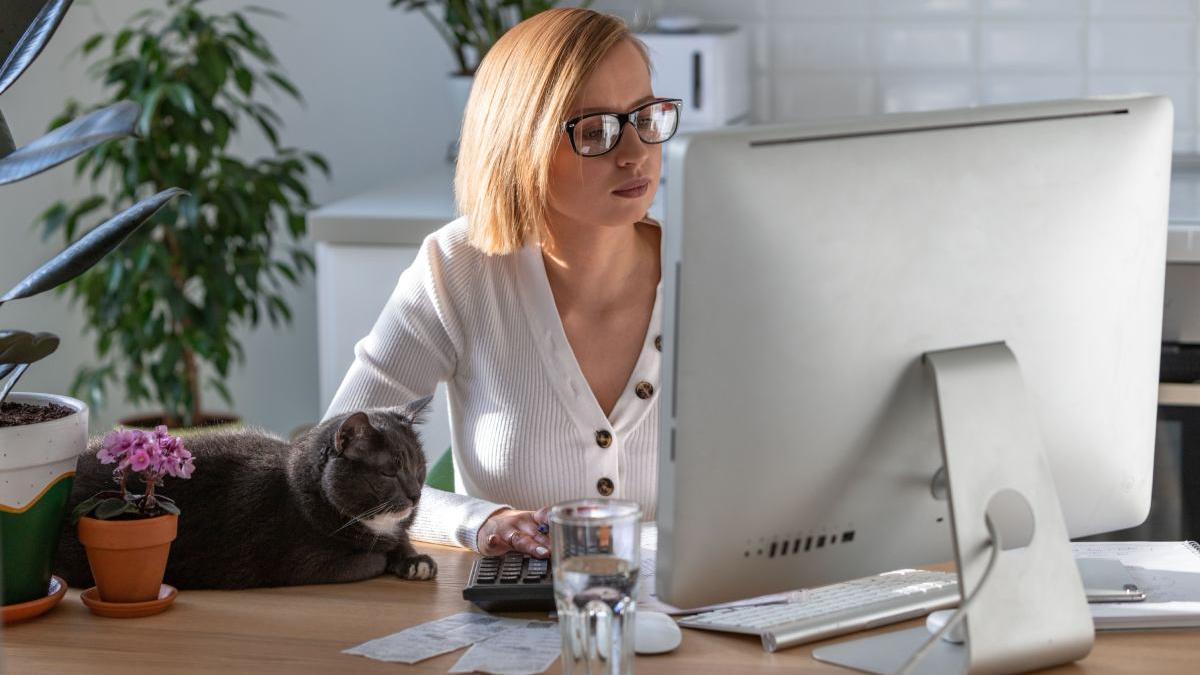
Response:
column 630, row 150
column 412, row 491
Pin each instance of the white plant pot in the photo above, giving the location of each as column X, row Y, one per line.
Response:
column 37, row 470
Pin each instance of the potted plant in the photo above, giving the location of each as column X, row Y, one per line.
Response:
column 163, row 310
column 128, row 536
column 42, row 434
column 470, row 28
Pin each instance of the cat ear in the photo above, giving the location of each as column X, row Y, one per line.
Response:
column 353, row 434
column 415, row 408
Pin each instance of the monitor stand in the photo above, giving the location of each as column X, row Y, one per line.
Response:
column 1032, row 612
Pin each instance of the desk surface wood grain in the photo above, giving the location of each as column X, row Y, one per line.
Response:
column 304, row 629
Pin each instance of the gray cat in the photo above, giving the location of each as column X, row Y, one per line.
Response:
column 333, row 506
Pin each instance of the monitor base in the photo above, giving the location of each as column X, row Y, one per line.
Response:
column 1031, row 612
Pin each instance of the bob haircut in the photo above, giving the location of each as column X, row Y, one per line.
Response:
column 512, row 125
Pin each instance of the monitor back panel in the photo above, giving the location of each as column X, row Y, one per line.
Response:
column 808, row 268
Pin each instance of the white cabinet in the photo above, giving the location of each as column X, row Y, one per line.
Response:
column 363, row 243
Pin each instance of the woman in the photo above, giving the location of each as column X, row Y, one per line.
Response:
column 540, row 306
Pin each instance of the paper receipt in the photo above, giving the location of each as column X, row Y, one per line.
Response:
column 527, row 650
column 437, row 637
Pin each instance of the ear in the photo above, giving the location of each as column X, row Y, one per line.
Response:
column 414, row 409
column 353, row 435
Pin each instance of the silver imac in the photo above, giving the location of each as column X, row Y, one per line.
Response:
column 812, row 272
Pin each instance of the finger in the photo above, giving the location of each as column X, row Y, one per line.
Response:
column 530, row 527
column 525, row 543
column 542, row 518
column 493, row 545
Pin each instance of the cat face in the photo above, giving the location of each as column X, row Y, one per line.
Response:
column 374, row 466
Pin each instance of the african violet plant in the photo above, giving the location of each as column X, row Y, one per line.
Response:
column 153, row 455
column 19, row 348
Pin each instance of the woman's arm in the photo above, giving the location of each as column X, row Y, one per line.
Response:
column 416, row 343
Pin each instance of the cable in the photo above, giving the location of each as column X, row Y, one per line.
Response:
column 959, row 615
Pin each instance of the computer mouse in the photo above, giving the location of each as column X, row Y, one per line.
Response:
column 655, row 633
column 935, row 621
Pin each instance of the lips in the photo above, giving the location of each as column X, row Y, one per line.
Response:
column 634, row 188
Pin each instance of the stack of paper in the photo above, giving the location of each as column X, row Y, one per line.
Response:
column 1167, row 571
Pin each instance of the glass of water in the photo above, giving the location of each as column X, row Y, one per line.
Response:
column 596, row 545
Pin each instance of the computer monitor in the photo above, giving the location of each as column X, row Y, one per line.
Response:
column 807, row 270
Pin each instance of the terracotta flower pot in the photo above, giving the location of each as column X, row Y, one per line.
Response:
column 128, row 557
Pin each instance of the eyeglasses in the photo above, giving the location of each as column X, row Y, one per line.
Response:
column 594, row 134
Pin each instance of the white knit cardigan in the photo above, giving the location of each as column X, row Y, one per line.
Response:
column 526, row 430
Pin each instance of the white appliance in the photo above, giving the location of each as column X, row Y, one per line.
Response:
column 708, row 68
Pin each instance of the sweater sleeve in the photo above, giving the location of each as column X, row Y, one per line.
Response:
column 414, row 345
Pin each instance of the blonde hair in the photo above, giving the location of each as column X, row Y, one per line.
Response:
column 523, row 90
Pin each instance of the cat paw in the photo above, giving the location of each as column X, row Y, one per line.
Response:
column 418, row 567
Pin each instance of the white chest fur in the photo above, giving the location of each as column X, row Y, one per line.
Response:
column 386, row 523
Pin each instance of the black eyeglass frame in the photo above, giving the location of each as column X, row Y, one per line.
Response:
column 622, row 120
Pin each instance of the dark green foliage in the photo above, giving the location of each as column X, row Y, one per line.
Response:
column 32, row 40
column 89, row 249
column 25, row 28
column 471, row 27
column 164, row 306
column 112, row 505
column 69, row 141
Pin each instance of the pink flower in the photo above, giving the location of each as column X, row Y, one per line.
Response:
column 139, row 460
column 118, row 444
column 153, row 453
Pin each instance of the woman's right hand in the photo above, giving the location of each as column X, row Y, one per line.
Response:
column 511, row 530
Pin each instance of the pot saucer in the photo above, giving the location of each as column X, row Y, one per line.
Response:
column 27, row 610
column 129, row 610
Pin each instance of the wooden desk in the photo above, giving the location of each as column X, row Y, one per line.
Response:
column 303, row 629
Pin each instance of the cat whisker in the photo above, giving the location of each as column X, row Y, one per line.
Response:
column 365, row 514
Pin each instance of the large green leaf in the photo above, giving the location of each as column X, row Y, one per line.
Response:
column 69, row 141
column 91, row 247
column 6, row 141
column 32, row 41
column 18, row 346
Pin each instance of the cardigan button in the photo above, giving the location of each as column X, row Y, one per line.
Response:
column 603, row 438
column 605, row 487
column 644, row 390
column 658, row 343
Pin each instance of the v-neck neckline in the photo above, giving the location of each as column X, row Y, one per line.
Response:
column 551, row 336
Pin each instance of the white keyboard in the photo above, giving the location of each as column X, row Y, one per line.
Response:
column 828, row 611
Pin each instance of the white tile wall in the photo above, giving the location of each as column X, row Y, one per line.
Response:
column 924, row 6
column 1046, row 45
column 823, row 96
column 925, row 45
column 832, row 58
column 1129, row 45
column 911, row 93
column 1143, row 7
column 1008, row 88
column 825, row 45
column 1033, row 7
